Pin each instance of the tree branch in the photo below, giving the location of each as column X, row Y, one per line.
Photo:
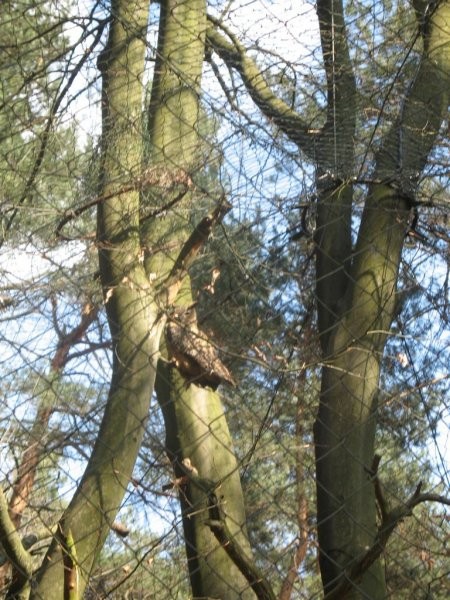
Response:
column 66, row 341
column 14, row 550
column 412, row 136
column 46, row 134
column 189, row 252
column 156, row 176
column 34, row 450
column 276, row 110
column 390, row 518
column 341, row 91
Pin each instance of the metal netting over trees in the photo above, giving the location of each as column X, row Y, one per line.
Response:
column 224, row 303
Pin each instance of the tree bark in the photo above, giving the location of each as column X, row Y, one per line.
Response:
column 128, row 299
column 355, row 325
column 345, row 425
column 355, row 287
column 196, row 428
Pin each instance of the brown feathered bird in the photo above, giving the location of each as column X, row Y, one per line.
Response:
column 193, row 354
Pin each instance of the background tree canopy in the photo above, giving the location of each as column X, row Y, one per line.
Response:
column 224, row 262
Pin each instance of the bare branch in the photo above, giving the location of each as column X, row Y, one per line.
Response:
column 275, row 109
column 88, row 315
column 390, row 518
column 33, row 452
column 154, row 176
column 189, row 252
column 46, row 134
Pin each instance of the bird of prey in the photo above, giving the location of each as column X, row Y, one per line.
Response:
column 194, row 355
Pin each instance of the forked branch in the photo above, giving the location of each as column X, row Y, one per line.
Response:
column 390, row 518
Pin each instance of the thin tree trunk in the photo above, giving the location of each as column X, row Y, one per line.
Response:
column 301, row 547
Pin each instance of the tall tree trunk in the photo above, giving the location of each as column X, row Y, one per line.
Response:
column 355, row 315
column 345, row 426
column 196, row 428
column 128, row 300
column 355, row 287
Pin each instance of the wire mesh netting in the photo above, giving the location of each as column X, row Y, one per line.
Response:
column 224, row 303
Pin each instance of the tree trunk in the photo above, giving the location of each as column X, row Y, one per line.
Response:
column 196, row 428
column 355, row 315
column 345, row 426
column 355, row 287
column 128, row 302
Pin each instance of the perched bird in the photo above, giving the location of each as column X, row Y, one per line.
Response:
column 193, row 354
